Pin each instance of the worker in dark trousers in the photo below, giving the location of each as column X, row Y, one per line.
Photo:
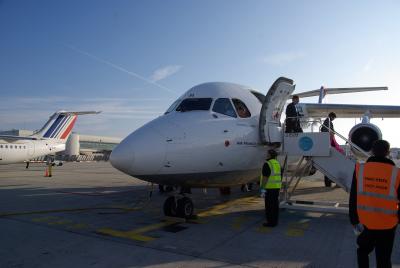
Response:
column 292, row 121
column 373, row 206
column 270, row 185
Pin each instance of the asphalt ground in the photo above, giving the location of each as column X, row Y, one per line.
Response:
column 91, row 215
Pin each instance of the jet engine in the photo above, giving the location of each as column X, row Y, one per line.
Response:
column 363, row 135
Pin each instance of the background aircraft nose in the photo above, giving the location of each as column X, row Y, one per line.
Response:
column 141, row 153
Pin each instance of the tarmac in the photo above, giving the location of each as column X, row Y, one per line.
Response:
column 91, row 215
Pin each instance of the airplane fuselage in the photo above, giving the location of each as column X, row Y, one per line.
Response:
column 197, row 148
column 24, row 150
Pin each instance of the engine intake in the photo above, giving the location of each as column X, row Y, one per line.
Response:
column 364, row 135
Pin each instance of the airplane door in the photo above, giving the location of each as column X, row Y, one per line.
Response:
column 270, row 130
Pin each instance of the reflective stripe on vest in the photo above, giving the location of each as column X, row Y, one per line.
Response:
column 274, row 181
column 377, row 202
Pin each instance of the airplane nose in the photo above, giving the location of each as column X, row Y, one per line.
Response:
column 121, row 156
column 141, row 153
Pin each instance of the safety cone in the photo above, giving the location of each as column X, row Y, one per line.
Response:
column 46, row 172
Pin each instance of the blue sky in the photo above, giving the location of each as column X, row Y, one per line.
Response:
column 131, row 59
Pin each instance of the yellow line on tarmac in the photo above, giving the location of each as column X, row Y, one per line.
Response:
column 60, row 222
column 45, row 219
column 7, row 214
column 125, row 234
column 297, row 229
column 238, row 222
column 137, row 234
column 218, row 209
column 263, row 229
column 78, row 226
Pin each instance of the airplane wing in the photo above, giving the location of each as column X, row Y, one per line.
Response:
column 11, row 137
column 349, row 110
column 316, row 92
column 80, row 113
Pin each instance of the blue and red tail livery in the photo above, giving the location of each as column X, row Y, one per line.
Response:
column 60, row 125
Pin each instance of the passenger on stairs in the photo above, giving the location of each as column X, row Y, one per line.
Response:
column 293, row 115
column 327, row 126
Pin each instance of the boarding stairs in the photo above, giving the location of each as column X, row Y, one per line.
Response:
column 315, row 152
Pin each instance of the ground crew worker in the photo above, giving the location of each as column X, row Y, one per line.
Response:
column 373, row 205
column 270, row 185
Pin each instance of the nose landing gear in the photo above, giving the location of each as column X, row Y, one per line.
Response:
column 178, row 207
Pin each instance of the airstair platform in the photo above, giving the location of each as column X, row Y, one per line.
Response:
column 315, row 152
column 315, row 146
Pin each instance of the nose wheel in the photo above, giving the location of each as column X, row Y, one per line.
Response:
column 178, row 207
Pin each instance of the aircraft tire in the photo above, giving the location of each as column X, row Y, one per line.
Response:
column 170, row 208
column 185, row 207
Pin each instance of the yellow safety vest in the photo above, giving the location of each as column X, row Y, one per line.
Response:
column 274, row 181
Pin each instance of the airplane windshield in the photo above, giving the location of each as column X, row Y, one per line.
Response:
column 195, row 104
column 241, row 108
column 224, row 106
column 173, row 106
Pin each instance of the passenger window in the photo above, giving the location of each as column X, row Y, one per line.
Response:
column 11, row 146
column 20, row 147
column 24, row 147
column 195, row 104
column 224, row 106
column 241, row 108
column 1, row 146
column 6, row 146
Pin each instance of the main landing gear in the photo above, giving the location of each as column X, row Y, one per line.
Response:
column 176, row 206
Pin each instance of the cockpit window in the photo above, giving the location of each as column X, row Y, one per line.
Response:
column 195, row 104
column 241, row 108
column 224, row 106
column 173, row 106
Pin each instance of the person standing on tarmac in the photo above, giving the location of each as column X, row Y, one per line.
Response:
column 270, row 185
column 373, row 206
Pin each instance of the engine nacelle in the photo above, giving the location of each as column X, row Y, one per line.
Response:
column 364, row 135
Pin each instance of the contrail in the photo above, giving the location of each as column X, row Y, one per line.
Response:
column 117, row 67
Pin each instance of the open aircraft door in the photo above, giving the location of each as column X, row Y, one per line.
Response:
column 270, row 129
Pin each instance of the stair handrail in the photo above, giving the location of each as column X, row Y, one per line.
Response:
column 366, row 154
column 313, row 120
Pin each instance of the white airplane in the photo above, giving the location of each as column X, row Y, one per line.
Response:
column 49, row 139
column 218, row 135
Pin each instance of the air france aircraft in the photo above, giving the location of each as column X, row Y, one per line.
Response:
column 49, row 139
column 218, row 134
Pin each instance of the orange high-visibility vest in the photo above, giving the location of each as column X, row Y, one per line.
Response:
column 377, row 202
